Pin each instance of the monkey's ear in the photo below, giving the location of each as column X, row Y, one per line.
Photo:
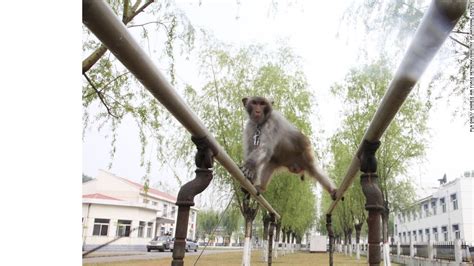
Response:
column 244, row 100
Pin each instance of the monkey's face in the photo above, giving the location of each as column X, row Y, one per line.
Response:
column 258, row 108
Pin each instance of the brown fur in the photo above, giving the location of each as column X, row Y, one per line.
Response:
column 281, row 145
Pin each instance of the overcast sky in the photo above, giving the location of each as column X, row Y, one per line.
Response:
column 310, row 28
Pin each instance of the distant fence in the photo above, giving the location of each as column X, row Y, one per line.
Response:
column 436, row 251
column 450, row 251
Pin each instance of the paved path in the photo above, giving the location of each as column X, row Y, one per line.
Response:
column 123, row 256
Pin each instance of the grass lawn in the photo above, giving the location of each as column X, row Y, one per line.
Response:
column 235, row 258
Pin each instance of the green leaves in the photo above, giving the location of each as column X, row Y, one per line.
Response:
column 294, row 200
column 404, row 140
column 118, row 96
column 232, row 73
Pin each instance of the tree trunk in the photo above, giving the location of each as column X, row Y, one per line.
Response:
column 358, row 228
column 345, row 241
column 283, row 241
column 349, row 235
column 266, row 222
column 386, row 246
column 385, row 214
column 277, row 239
column 247, row 244
column 293, row 242
column 249, row 211
column 288, row 241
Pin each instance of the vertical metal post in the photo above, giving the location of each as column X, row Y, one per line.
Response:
column 270, row 238
column 374, row 199
column 204, row 160
column 331, row 238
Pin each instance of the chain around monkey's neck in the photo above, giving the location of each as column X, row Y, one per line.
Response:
column 256, row 135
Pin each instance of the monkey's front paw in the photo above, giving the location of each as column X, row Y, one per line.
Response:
column 259, row 190
column 249, row 173
column 334, row 194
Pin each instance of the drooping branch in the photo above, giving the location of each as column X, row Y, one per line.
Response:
column 101, row 97
column 99, row 52
column 460, row 32
column 147, row 23
column 108, row 83
column 459, row 42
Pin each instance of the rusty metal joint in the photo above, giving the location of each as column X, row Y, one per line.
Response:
column 368, row 162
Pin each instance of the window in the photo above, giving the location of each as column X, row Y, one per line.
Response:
column 456, row 232
column 101, row 227
column 146, row 201
column 399, row 237
column 141, row 229
column 409, row 216
column 165, row 210
column 414, row 235
column 415, row 216
column 435, row 233
column 433, row 206
column 123, row 227
column 173, row 211
column 396, row 229
column 420, row 232
column 444, row 231
column 454, row 201
column 149, row 229
column 404, row 237
column 400, row 217
column 443, row 204
column 427, row 211
column 154, row 203
column 409, row 236
column 162, row 230
column 427, row 233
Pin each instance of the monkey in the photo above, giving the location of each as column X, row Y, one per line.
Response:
column 271, row 142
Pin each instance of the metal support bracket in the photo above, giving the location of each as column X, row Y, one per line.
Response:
column 374, row 200
column 204, row 160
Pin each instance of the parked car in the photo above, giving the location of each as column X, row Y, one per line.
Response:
column 160, row 243
column 190, row 245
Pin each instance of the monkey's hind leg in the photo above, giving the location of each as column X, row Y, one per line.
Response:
column 323, row 179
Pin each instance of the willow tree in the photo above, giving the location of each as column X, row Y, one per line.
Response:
column 206, row 222
column 387, row 26
column 295, row 201
column 404, row 140
column 230, row 74
column 110, row 93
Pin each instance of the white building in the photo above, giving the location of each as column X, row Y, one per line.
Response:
column 445, row 215
column 117, row 211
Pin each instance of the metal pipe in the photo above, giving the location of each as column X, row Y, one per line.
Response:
column 434, row 28
column 100, row 19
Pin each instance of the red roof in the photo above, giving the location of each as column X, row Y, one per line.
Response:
column 152, row 191
column 98, row 196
